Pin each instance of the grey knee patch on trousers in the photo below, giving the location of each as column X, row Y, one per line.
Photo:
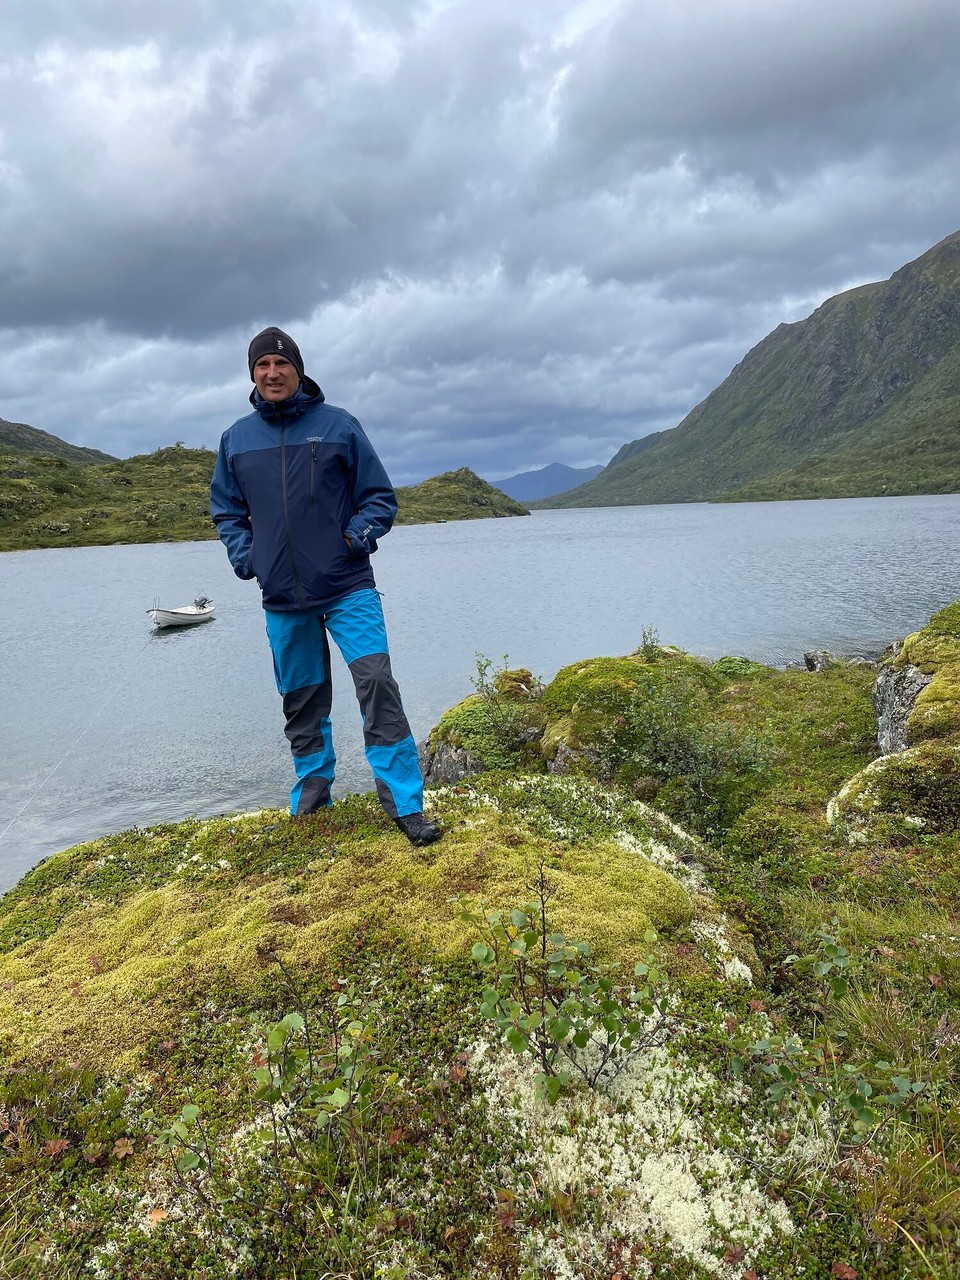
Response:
column 385, row 796
column 305, row 709
column 314, row 795
column 384, row 721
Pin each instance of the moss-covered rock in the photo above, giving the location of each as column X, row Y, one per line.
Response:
column 100, row 941
column 495, row 728
column 918, row 789
column 934, row 651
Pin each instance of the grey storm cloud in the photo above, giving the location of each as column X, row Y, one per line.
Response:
column 502, row 235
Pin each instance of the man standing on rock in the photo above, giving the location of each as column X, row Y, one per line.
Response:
column 299, row 498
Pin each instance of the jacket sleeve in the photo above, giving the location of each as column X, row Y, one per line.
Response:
column 230, row 513
column 373, row 496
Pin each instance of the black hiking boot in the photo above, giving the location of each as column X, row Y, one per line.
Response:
column 418, row 829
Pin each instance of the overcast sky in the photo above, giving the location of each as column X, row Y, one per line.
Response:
column 503, row 234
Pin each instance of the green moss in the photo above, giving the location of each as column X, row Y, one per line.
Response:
column 557, row 733
column 919, row 787
column 935, row 650
column 936, row 712
column 734, row 668
column 107, row 974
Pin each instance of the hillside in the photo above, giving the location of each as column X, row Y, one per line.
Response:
column 862, row 397
column 47, row 500
column 454, row 495
column 21, row 439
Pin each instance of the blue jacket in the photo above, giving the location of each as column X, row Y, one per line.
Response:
column 292, row 481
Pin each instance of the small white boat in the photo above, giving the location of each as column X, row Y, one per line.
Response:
column 187, row 616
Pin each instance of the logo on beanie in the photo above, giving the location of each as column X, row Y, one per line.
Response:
column 279, row 345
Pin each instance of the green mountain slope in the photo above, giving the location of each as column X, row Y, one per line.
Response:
column 19, row 438
column 859, row 398
column 454, row 495
column 48, row 501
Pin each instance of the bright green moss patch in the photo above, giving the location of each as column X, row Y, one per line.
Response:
column 599, row 686
column 936, row 712
column 936, row 644
column 103, row 977
column 736, row 668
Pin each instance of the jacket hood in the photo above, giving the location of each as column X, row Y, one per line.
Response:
column 308, row 393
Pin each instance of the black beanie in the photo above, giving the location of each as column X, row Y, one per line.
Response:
column 272, row 342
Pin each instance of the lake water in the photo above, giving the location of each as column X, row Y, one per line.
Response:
column 105, row 724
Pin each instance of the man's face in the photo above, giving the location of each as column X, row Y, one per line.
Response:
column 275, row 378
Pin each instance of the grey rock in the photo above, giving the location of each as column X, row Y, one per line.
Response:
column 895, row 691
column 569, row 759
column 819, row 659
column 446, row 763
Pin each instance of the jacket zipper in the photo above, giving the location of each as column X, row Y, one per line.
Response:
column 313, row 473
column 286, row 514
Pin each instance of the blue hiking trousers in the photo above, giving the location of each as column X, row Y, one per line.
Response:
column 301, row 665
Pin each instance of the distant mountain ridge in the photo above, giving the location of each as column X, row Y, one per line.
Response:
column 554, row 478
column 21, row 439
column 860, row 398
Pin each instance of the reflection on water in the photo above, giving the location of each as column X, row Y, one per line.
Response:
column 107, row 723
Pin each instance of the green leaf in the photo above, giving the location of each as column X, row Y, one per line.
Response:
column 558, row 1029
column 518, row 918
column 189, row 1113
column 189, row 1160
column 517, row 1041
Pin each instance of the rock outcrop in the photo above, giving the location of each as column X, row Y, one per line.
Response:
column 894, row 695
column 915, row 783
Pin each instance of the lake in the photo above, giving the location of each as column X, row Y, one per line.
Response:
column 106, row 724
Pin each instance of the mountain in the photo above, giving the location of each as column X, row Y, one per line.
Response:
column 21, row 439
column 454, row 495
column 557, row 477
column 860, row 398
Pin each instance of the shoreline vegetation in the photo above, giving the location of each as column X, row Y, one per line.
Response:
column 676, row 996
column 48, row 500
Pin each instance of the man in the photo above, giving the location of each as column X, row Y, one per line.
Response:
column 299, row 498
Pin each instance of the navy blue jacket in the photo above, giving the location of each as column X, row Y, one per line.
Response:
column 291, row 481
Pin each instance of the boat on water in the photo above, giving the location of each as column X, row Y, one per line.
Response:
column 187, row 615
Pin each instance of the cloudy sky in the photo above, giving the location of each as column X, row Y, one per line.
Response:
column 503, row 234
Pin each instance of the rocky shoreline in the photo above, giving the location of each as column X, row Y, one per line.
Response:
column 675, row 996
